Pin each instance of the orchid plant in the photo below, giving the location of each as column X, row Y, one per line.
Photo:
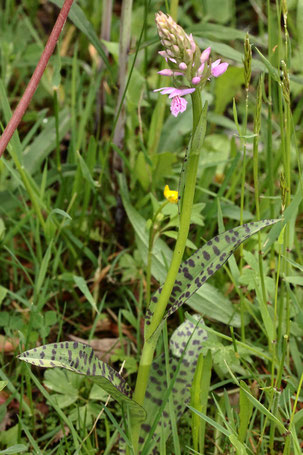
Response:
column 148, row 406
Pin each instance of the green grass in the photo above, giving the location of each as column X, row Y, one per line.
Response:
column 74, row 239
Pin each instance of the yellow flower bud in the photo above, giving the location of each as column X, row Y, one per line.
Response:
column 171, row 196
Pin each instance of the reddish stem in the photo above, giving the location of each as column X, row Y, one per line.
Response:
column 35, row 79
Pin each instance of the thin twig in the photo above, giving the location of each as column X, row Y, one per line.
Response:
column 35, row 79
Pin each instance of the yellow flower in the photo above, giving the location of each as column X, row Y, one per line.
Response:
column 171, row 196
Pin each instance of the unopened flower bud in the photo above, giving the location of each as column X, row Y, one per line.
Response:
column 177, row 43
column 196, row 80
column 183, row 66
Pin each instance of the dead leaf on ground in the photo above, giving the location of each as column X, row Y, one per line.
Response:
column 6, row 422
column 60, row 434
column 8, row 344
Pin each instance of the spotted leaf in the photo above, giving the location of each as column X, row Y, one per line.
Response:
column 186, row 337
column 196, row 270
column 80, row 358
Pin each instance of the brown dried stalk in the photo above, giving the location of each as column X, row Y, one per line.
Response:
column 35, row 79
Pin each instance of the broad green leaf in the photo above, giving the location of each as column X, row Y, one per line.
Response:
column 65, row 384
column 203, row 264
column 295, row 280
column 227, row 86
column 45, row 142
column 212, row 31
column 218, row 11
column 80, row 358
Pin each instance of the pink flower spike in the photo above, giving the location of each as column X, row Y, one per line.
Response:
column 196, row 80
column 178, row 105
column 217, row 69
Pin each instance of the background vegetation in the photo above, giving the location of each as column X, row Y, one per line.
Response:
column 81, row 182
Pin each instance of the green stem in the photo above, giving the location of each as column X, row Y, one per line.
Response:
column 151, row 335
column 242, row 208
column 152, row 234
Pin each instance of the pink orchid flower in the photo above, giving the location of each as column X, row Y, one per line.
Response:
column 218, row 68
column 178, row 104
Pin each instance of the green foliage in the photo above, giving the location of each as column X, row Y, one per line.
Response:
column 72, row 262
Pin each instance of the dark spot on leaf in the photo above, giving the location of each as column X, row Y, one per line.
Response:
column 216, row 250
column 206, row 255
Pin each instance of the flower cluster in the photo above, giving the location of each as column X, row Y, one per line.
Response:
column 184, row 59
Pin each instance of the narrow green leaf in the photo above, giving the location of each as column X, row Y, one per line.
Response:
column 80, row 358
column 3, row 384
column 15, row 140
column 17, row 448
column 262, row 408
column 85, row 171
column 199, row 398
column 61, row 212
column 289, row 215
column 244, row 415
column 3, row 292
column 240, row 448
column 81, row 283
column 271, row 69
column 43, row 269
column 209, row 420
